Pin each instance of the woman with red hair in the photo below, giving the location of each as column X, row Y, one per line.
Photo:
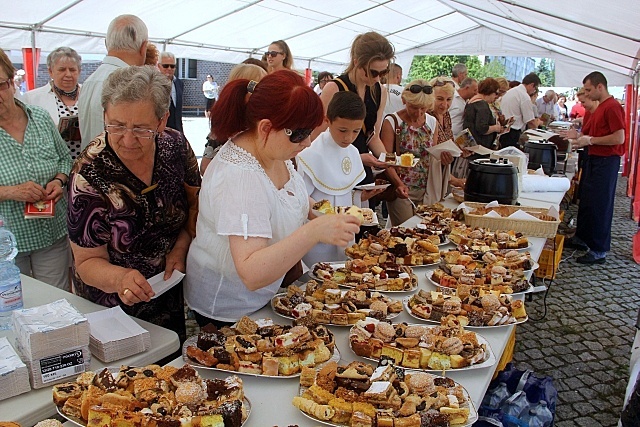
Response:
column 252, row 225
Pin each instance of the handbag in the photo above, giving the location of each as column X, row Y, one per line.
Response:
column 389, row 194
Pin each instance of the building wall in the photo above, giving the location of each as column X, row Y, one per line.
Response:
column 516, row 67
column 192, row 97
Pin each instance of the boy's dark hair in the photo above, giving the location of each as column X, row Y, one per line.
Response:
column 346, row 105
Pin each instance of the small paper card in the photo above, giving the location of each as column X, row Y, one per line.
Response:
column 448, row 146
column 481, row 150
column 160, row 286
column 113, row 324
column 40, row 209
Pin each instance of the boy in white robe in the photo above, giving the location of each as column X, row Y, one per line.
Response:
column 332, row 167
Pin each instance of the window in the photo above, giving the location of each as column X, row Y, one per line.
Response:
column 187, row 68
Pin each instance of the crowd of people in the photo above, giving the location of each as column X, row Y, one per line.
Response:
column 137, row 204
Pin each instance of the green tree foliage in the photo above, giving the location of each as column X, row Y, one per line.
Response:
column 428, row 67
column 546, row 71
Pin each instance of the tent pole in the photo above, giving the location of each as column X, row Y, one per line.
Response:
column 36, row 58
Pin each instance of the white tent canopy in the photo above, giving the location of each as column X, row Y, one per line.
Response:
column 581, row 35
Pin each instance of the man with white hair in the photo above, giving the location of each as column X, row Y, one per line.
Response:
column 467, row 90
column 459, row 72
column 167, row 66
column 547, row 105
column 126, row 42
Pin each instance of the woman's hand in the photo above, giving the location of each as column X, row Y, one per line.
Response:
column 54, row 190
column 370, row 160
column 466, row 153
column 457, row 182
column 28, row 192
column 446, row 158
column 402, row 191
column 339, row 229
column 367, row 194
column 133, row 287
column 176, row 259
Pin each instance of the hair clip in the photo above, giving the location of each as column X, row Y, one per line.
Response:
column 251, row 86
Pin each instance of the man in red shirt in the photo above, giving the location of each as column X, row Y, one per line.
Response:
column 603, row 135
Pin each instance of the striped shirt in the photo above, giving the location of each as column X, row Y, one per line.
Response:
column 41, row 156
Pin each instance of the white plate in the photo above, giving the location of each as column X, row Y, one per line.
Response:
column 246, row 403
column 193, row 341
column 473, row 413
column 439, row 286
column 371, row 186
column 397, row 164
column 374, row 216
column 405, row 304
column 490, row 358
column 336, row 265
column 280, row 295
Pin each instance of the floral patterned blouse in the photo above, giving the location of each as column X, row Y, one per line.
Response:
column 415, row 141
column 109, row 205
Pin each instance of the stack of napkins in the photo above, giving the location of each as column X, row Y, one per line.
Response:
column 53, row 340
column 115, row 335
column 14, row 376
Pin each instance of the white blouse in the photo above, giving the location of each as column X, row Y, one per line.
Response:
column 237, row 198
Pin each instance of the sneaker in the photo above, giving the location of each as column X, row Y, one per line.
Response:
column 574, row 243
column 589, row 259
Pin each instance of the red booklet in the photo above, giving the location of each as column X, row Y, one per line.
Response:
column 41, row 209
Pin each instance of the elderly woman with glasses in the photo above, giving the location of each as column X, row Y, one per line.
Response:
column 128, row 201
column 279, row 56
column 34, row 164
column 60, row 96
column 252, row 226
column 412, row 130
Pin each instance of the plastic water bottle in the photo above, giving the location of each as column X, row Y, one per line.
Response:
column 516, row 405
column 494, row 397
column 10, row 292
column 539, row 416
column 8, row 245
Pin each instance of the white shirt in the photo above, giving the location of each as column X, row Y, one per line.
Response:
column 394, row 100
column 238, row 199
column 550, row 108
column 210, row 89
column 90, row 112
column 516, row 103
column 457, row 113
column 330, row 172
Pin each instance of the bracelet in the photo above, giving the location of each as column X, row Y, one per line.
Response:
column 62, row 183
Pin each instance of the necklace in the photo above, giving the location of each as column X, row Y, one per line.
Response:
column 71, row 94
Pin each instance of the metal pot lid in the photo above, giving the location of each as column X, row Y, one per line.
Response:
column 494, row 162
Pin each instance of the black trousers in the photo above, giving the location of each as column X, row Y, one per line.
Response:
column 597, row 194
column 511, row 138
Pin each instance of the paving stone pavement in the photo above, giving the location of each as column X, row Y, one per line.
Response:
column 585, row 339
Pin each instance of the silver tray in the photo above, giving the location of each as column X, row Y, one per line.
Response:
column 490, row 358
column 193, row 340
column 405, row 304
column 473, row 413
column 390, row 316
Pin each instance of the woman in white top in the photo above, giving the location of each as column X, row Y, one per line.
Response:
column 60, row 96
column 253, row 205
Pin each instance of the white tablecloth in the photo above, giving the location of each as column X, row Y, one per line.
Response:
column 36, row 405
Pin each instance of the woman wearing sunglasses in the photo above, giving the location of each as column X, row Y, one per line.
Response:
column 279, row 56
column 370, row 57
column 418, row 131
column 252, row 226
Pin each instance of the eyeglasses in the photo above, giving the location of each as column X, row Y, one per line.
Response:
column 168, row 65
column 376, row 73
column 325, row 80
column 139, row 133
column 273, row 53
column 444, row 82
column 417, row 89
column 297, row 135
column 5, row 84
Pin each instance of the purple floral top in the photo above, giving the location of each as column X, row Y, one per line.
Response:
column 107, row 206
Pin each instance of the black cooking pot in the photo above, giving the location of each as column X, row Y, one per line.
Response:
column 492, row 179
column 541, row 154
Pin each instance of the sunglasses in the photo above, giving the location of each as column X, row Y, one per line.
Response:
column 297, row 135
column 417, row 89
column 168, row 65
column 376, row 73
column 273, row 53
column 444, row 82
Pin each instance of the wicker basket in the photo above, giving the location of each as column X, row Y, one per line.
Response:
column 526, row 227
